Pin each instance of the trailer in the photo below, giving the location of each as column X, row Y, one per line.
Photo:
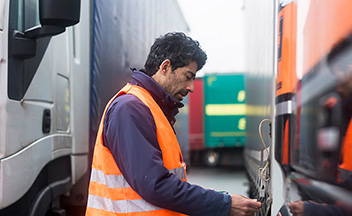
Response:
column 217, row 120
column 60, row 62
column 298, row 105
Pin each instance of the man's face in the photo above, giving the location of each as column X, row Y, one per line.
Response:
column 180, row 81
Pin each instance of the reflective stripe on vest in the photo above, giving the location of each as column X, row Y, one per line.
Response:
column 111, row 181
column 120, row 206
column 179, row 172
column 118, row 181
column 109, row 192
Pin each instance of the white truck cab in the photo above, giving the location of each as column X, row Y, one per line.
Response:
column 44, row 100
column 60, row 63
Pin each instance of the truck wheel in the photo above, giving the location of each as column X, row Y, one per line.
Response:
column 212, row 158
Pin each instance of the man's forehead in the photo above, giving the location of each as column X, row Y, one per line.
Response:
column 192, row 67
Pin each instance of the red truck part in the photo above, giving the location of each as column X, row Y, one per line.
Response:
column 196, row 115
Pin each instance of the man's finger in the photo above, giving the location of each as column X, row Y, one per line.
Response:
column 256, row 204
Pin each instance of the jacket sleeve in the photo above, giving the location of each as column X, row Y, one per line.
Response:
column 312, row 209
column 130, row 135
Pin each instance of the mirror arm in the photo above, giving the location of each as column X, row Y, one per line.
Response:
column 43, row 31
column 22, row 47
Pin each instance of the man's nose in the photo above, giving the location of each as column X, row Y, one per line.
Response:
column 190, row 87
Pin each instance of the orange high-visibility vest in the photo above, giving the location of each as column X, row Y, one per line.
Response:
column 345, row 168
column 109, row 192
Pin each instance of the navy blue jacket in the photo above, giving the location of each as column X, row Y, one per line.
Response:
column 130, row 134
column 312, row 209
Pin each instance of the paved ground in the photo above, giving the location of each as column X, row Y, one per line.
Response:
column 230, row 178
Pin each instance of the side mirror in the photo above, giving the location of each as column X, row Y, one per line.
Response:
column 62, row 13
column 55, row 16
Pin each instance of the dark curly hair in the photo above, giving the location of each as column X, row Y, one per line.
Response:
column 178, row 48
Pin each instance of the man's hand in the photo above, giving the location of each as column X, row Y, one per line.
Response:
column 243, row 206
column 297, row 208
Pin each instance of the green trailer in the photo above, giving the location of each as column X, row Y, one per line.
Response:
column 223, row 116
column 224, row 108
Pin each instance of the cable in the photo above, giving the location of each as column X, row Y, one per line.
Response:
column 267, row 151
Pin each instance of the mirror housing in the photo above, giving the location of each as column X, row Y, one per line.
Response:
column 62, row 13
column 55, row 16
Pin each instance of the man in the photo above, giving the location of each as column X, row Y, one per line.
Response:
column 137, row 164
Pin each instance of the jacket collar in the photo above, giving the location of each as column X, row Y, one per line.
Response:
column 168, row 104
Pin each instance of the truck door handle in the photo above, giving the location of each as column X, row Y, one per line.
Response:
column 46, row 121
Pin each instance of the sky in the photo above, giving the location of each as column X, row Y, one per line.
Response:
column 218, row 26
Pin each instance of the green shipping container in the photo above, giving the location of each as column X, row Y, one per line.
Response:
column 224, row 108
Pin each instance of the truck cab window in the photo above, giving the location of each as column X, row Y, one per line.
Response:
column 24, row 15
column 31, row 12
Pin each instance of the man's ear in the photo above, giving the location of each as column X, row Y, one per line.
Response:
column 165, row 66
